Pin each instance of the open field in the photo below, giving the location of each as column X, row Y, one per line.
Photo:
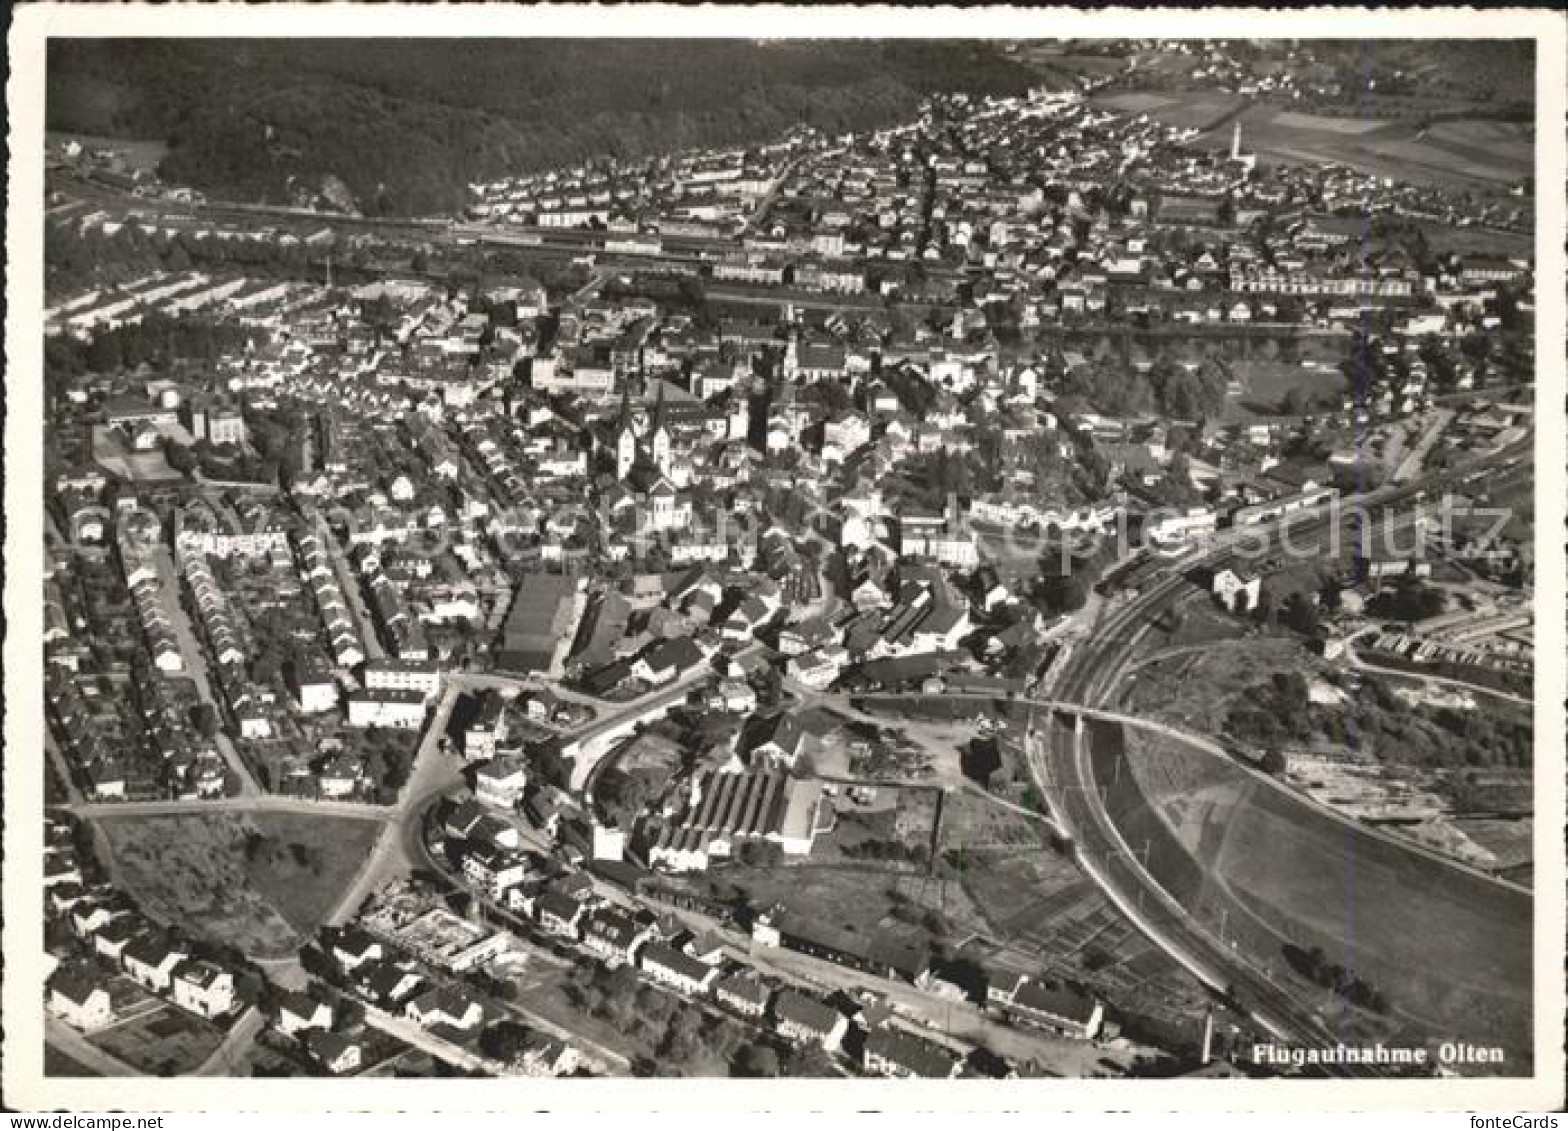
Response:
column 1451, row 951
column 304, row 894
column 1460, row 154
column 1475, row 241
column 1184, row 110
column 259, row 883
column 1289, row 119
column 1511, row 841
column 1138, row 101
column 859, row 899
column 1265, row 383
column 1467, row 152
column 1195, row 689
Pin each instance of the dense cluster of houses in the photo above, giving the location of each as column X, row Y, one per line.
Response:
column 112, row 940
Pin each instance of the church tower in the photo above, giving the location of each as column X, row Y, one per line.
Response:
column 791, row 365
column 659, row 435
column 1235, row 142
column 625, row 437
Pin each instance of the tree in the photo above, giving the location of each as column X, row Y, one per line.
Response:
column 1267, row 610
column 1297, row 402
column 683, row 1038
column 205, row 719
column 1064, row 593
column 755, row 1060
column 104, row 354
column 1274, row 763
column 179, row 457
column 811, row 1061
column 504, row 1040
column 761, row 854
column 1301, row 613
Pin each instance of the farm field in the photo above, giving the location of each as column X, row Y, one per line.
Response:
column 1451, row 951
column 1465, row 153
column 972, row 823
column 1461, row 154
column 259, row 883
column 1475, row 241
column 1042, row 915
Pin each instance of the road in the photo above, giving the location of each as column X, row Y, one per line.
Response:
column 80, row 1049
column 260, row 803
column 627, row 716
column 418, row 852
column 229, row 1058
column 420, row 1038
column 434, row 773
column 195, row 658
column 62, row 767
column 365, row 628
column 759, row 214
column 1410, row 466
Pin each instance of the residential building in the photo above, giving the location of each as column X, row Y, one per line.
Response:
column 801, row 1019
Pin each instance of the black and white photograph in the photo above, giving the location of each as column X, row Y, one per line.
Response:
column 849, row 557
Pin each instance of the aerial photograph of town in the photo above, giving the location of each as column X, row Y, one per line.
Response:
column 999, row 559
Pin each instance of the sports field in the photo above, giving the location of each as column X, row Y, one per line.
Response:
column 1451, row 951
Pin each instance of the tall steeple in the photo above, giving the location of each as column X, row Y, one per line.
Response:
column 1235, row 142
column 659, row 434
column 625, row 435
column 624, row 421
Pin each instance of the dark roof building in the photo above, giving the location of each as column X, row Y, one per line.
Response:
column 541, row 616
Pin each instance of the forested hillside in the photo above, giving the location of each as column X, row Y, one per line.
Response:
column 406, row 124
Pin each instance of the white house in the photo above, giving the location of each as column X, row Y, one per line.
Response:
column 669, row 967
column 151, row 962
column 299, row 1012
column 204, row 988
column 500, row 782
column 1238, row 592
column 79, row 1001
